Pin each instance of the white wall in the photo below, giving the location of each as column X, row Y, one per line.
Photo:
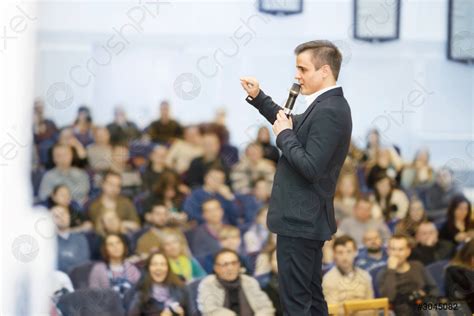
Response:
column 172, row 52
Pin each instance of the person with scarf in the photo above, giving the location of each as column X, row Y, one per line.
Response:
column 230, row 293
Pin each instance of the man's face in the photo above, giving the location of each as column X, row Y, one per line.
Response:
column 158, row 155
column 231, row 241
column 112, row 186
column 214, row 179
column 344, row 256
column 61, row 217
column 211, row 145
column 212, row 212
column 158, row 216
column 62, row 156
column 399, row 249
column 362, row 211
column 227, row 266
column 427, row 235
column 372, row 241
column 310, row 79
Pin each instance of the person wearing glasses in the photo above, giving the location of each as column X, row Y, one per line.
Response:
column 229, row 293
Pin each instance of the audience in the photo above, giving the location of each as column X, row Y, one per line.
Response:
column 391, row 203
column 150, row 240
column 459, row 226
column 429, row 248
column 83, row 127
column 228, row 292
column 415, row 216
column 175, row 248
column 165, row 129
column 345, row 281
column 373, row 255
column 404, row 282
column 388, row 162
column 183, row 151
column 257, row 234
column 155, row 167
column 121, row 130
column 361, row 221
column 251, row 167
column 345, row 197
column 110, row 199
column 159, row 291
column 115, row 272
column 99, row 153
column 74, row 178
column 269, row 151
column 72, row 248
column 270, row 284
column 419, row 173
column 459, row 275
column 131, row 179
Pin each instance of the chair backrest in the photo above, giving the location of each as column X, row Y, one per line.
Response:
column 437, row 270
column 79, row 275
column 193, row 294
column 363, row 305
column 373, row 273
column 333, row 309
column 85, row 302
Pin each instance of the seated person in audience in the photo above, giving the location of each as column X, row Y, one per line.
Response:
column 110, row 199
column 458, row 227
column 459, row 275
column 429, row 248
column 165, row 129
column 204, row 238
column 391, row 203
column 214, row 187
column 62, row 196
column 155, row 167
column 361, row 221
column 229, row 238
column 73, row 249
column 99, row 153
column 157, row 218
column 229, row 153
column 131, row 180
column 262, row 190
column 74, row 178
column 79, row 152
column 438, row 196
column 176, row 249
column 228, row 292
column 269, row 151
column 419, row 173
column 160, row 291
column 44, row 129
column 271, row 284
column 122, row 131
column 416, row 215
column 387, row 161
column 115, row 272
column 256, row 236
column 263, row 262
column 250, row 168
column 183, row 151
column 373, row 254
column 211, row 158
column 403, row 280
column 345, row 281
column 108, row 223
column 170, row 192
column 83, row 126
column 345, row 197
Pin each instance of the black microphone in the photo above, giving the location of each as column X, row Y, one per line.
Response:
column 290, row 103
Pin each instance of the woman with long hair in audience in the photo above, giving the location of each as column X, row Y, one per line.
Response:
column 176, row 249
column 391, row 203
column 419, row 173
column 415, row 216
column 345, row 197
column 269, row 151
column 115, row 272
column 160, row 291
column 388, row 162
column 83, row 126
column 459, row 275
column 458, row 227
column 61, row 195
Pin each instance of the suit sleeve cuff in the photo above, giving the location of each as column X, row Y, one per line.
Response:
column 283, row 134
column 257, row 99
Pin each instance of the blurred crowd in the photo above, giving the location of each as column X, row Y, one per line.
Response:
column 171, row 220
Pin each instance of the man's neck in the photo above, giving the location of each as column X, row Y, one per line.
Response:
column 404, row 267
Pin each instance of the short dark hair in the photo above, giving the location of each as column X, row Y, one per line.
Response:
column 343, row 240
column 324, row 53
column 402, row 236
column 209, row 199
column 223, row 251
column 112, row 173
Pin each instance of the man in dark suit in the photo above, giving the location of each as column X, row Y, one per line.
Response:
column 314, row 145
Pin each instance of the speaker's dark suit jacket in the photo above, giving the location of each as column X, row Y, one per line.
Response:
column 301, row 203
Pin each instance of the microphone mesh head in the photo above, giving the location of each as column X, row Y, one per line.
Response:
column 295, row 89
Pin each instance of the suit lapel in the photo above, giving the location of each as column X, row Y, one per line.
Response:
column 332, row 92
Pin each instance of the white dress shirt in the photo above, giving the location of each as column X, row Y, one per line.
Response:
column 310, row 98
